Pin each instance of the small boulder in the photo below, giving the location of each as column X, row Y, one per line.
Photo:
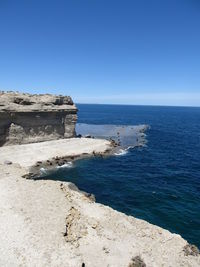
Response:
column 88, row 136
column 7, row 162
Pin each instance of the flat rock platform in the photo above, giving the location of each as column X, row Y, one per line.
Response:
column 36, row 154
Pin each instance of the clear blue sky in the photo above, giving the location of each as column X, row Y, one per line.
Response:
column 103, row 51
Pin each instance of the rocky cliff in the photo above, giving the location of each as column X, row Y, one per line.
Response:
column 26, row 118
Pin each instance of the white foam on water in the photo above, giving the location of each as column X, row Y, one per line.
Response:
column 121, row 152
column 130, row 147
column 66, row 165
column 43, row 171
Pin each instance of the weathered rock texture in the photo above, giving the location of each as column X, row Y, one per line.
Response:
column 47, row 223
column 52, row 223
column 26, row 118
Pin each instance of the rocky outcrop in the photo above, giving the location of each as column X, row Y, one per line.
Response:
column 52, row 223
column 26, row 118
column 48, row 223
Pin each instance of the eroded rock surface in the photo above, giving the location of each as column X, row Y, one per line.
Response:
column 26, row 118
column 46, row 223
column 52, row 223
column 51, row 154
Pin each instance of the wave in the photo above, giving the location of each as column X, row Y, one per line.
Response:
column 45, row 171
column 121, row 152
column 66, row 165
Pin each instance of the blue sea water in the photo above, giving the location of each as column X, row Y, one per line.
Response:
column 160, row 182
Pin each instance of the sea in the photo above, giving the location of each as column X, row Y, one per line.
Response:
column 158, row 181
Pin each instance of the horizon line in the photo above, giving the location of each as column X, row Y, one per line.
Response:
column 147, row 105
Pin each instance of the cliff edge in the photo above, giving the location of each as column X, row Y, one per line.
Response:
column 26, row 118
column 52, row 223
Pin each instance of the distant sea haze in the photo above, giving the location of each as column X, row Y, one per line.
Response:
column 160, row 182
column 175, row 99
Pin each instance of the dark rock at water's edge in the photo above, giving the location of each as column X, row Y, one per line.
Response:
column 28, row 118
column 121, row 136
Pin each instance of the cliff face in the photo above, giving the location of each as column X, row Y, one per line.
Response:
column 26, row 118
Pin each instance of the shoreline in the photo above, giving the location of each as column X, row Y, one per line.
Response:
column 53, row 223
column 51, row 154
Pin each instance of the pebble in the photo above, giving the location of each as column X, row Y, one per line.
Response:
column 7, row 162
